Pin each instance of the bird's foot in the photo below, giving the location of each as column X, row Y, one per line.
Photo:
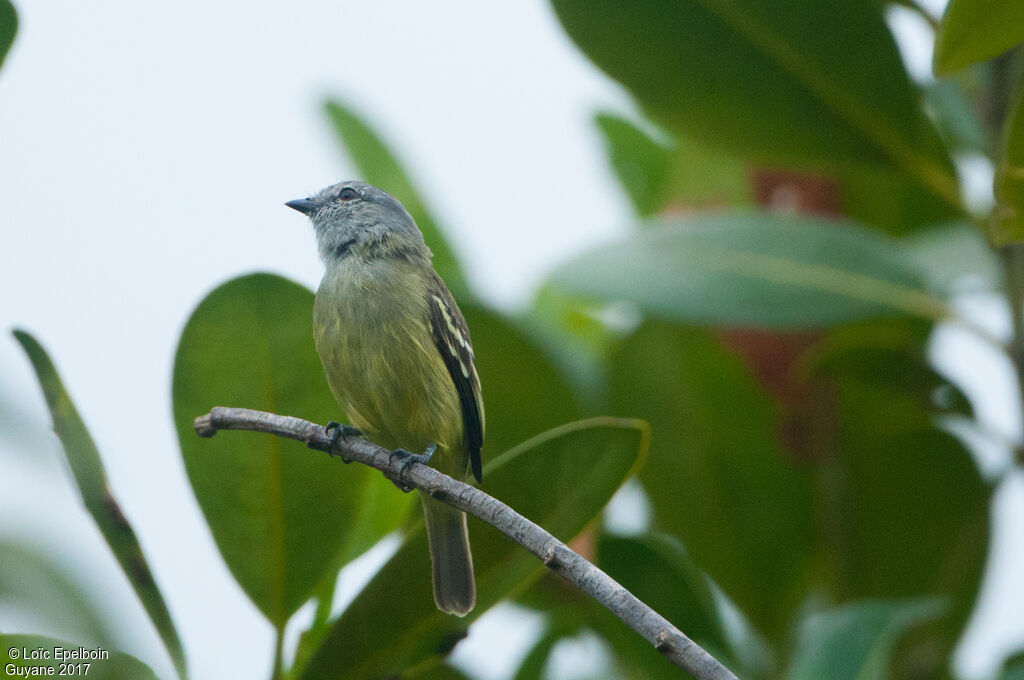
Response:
column 407, row 459
column 338, row 431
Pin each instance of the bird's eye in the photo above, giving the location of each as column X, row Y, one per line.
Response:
column 348, row 193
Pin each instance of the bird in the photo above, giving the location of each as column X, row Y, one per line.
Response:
column 398, row 357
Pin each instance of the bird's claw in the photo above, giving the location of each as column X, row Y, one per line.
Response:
column 407, row 459
column 338, row 431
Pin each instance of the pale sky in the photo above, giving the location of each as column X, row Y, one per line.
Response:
column 147, row 151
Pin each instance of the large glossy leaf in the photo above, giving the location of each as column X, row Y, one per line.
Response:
column 661, row 176
column 1008, row 217
column 524, row 393
column 757, row 270
column 117, row 666
column 890, row 201
column 8, row 27
column 560, row 480
column 657, row 569
column 283, row 517
column 31, row 583
column 976, row 30
column 379, row 166
column 791, row 81
column 891, row 461
column 856, row 642
column 90, row 477
column 887, row 355
column 716, row 474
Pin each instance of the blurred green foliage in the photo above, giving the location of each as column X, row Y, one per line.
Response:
column 758, row 270
column 1013, row 668
column 798, row 81
column 751, row 510
column 31, row 583
column 975, row 30
column 91, row 479
column 763, row 374
column 8, row 28
column 854, row 642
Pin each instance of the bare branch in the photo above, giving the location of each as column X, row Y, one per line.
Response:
column 666, row 638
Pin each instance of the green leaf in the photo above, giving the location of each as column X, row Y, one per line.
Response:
column 703, row 176
column 117, row 666
column 33, row 584
column 856, row 641
column 571, row 333
column 1013, row 668
column 657, row 570
column 560, row 479
column 790, row 81
column 283, row 517
column 658, row 174
column 1008, row 217
column 716, row 474
column 755, row 270
column 8, row 27
column 379, row 166
column 891, row 461
column 643, row 164
column 955, row 116
column 889, row 201
column 438, row 672
column 886, row 355
column 954, row 257
column 976, row 30
column 91, row 479
column 523, row 391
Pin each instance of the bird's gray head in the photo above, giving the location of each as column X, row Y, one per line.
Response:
column 358, row 218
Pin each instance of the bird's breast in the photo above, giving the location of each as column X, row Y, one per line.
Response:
column 374, row 339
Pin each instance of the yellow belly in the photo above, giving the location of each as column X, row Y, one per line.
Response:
column 374, row 339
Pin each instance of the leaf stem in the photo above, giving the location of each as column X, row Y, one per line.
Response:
column 277, row 673
column 325, row 598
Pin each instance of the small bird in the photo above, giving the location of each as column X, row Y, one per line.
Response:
column 398, row 358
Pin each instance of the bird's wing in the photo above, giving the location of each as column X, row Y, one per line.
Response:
column 451, row 336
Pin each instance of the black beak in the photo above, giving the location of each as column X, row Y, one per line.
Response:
column 304, row 205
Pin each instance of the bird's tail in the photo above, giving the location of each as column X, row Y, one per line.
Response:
column 450, row 559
